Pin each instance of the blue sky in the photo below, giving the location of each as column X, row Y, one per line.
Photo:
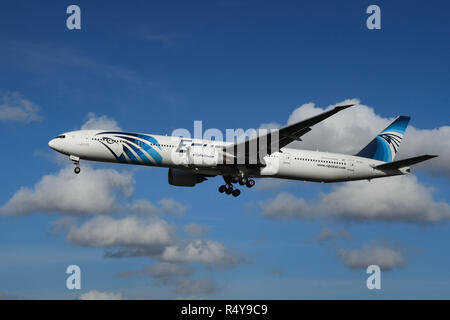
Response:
column 154, row 67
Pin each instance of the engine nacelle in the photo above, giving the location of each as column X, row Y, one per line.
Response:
column 184, row 178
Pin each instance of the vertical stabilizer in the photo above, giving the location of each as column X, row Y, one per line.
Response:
column 386, row 144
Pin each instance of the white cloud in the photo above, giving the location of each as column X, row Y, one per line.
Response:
column 143, row 207
column 166, row 206
column 63, row 224
column 171, row 206
column 195, row 230
column 98, row 295
column 45, row 59
column 152, row 237
column 352, row 129
column 285, row 206
column 387, row 257
column 16, row 108
column 106, row 232
column 195, row 286
column 390, row 199
column 205, row 251
column 92, row 191
column 327, row 234
column 433, row 141
column 52, row 156
column 165, row 270
column 102, row 122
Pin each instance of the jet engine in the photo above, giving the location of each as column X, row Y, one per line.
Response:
column 184, row 178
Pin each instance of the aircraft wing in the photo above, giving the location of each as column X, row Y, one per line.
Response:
column 273, row 141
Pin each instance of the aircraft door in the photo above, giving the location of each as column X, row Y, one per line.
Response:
column 287, row 158
column 350, row 168
column 182, row 153
column 82, row 145
column 211, row 154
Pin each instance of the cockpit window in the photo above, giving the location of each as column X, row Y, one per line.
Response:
column 61, row 136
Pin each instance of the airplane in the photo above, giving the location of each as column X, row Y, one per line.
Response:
column 193, row 161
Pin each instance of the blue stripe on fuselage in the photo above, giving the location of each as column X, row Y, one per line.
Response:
column 152, row 152
column 130, row 154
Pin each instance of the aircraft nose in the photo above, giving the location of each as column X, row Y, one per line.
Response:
column 52, row 144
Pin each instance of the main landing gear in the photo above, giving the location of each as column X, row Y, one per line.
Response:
column 228, row 187
column 76, row 162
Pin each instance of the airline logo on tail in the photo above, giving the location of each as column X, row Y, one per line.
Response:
column 386, row 144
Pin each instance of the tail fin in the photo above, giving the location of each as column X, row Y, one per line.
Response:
column 386, row 144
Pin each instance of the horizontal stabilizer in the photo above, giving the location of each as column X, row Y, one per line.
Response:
column 404, row 163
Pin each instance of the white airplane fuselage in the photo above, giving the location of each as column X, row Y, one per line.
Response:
column 203, row 157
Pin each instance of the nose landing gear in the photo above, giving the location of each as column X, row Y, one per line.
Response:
column 76, row 162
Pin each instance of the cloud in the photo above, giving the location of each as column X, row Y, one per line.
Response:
column 153, row 237
column 62, row 225
column 166, row 206
column 43, row 58
column 101, row 122
column 18, row 109
column 432, row 141
column 195, row 286
column 171, row 206
column 387, row 257
column 143, row 207
column 350, row 130
column 107, row 232
column 163, row 271
column 204, row 251
column 327, row 234
column 166, row 270
column 98, row 295
column 150, row 237
column 389, row 199
column 50, row 155
column 285, row 206
column 195, row 230
column 92, row 191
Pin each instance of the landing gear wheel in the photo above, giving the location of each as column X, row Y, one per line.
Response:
column 250, row 183
column 222, row 188
column 243, row 180
column 235, row 179
column 236, row 192
column 77, row 170
column 229, row 190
